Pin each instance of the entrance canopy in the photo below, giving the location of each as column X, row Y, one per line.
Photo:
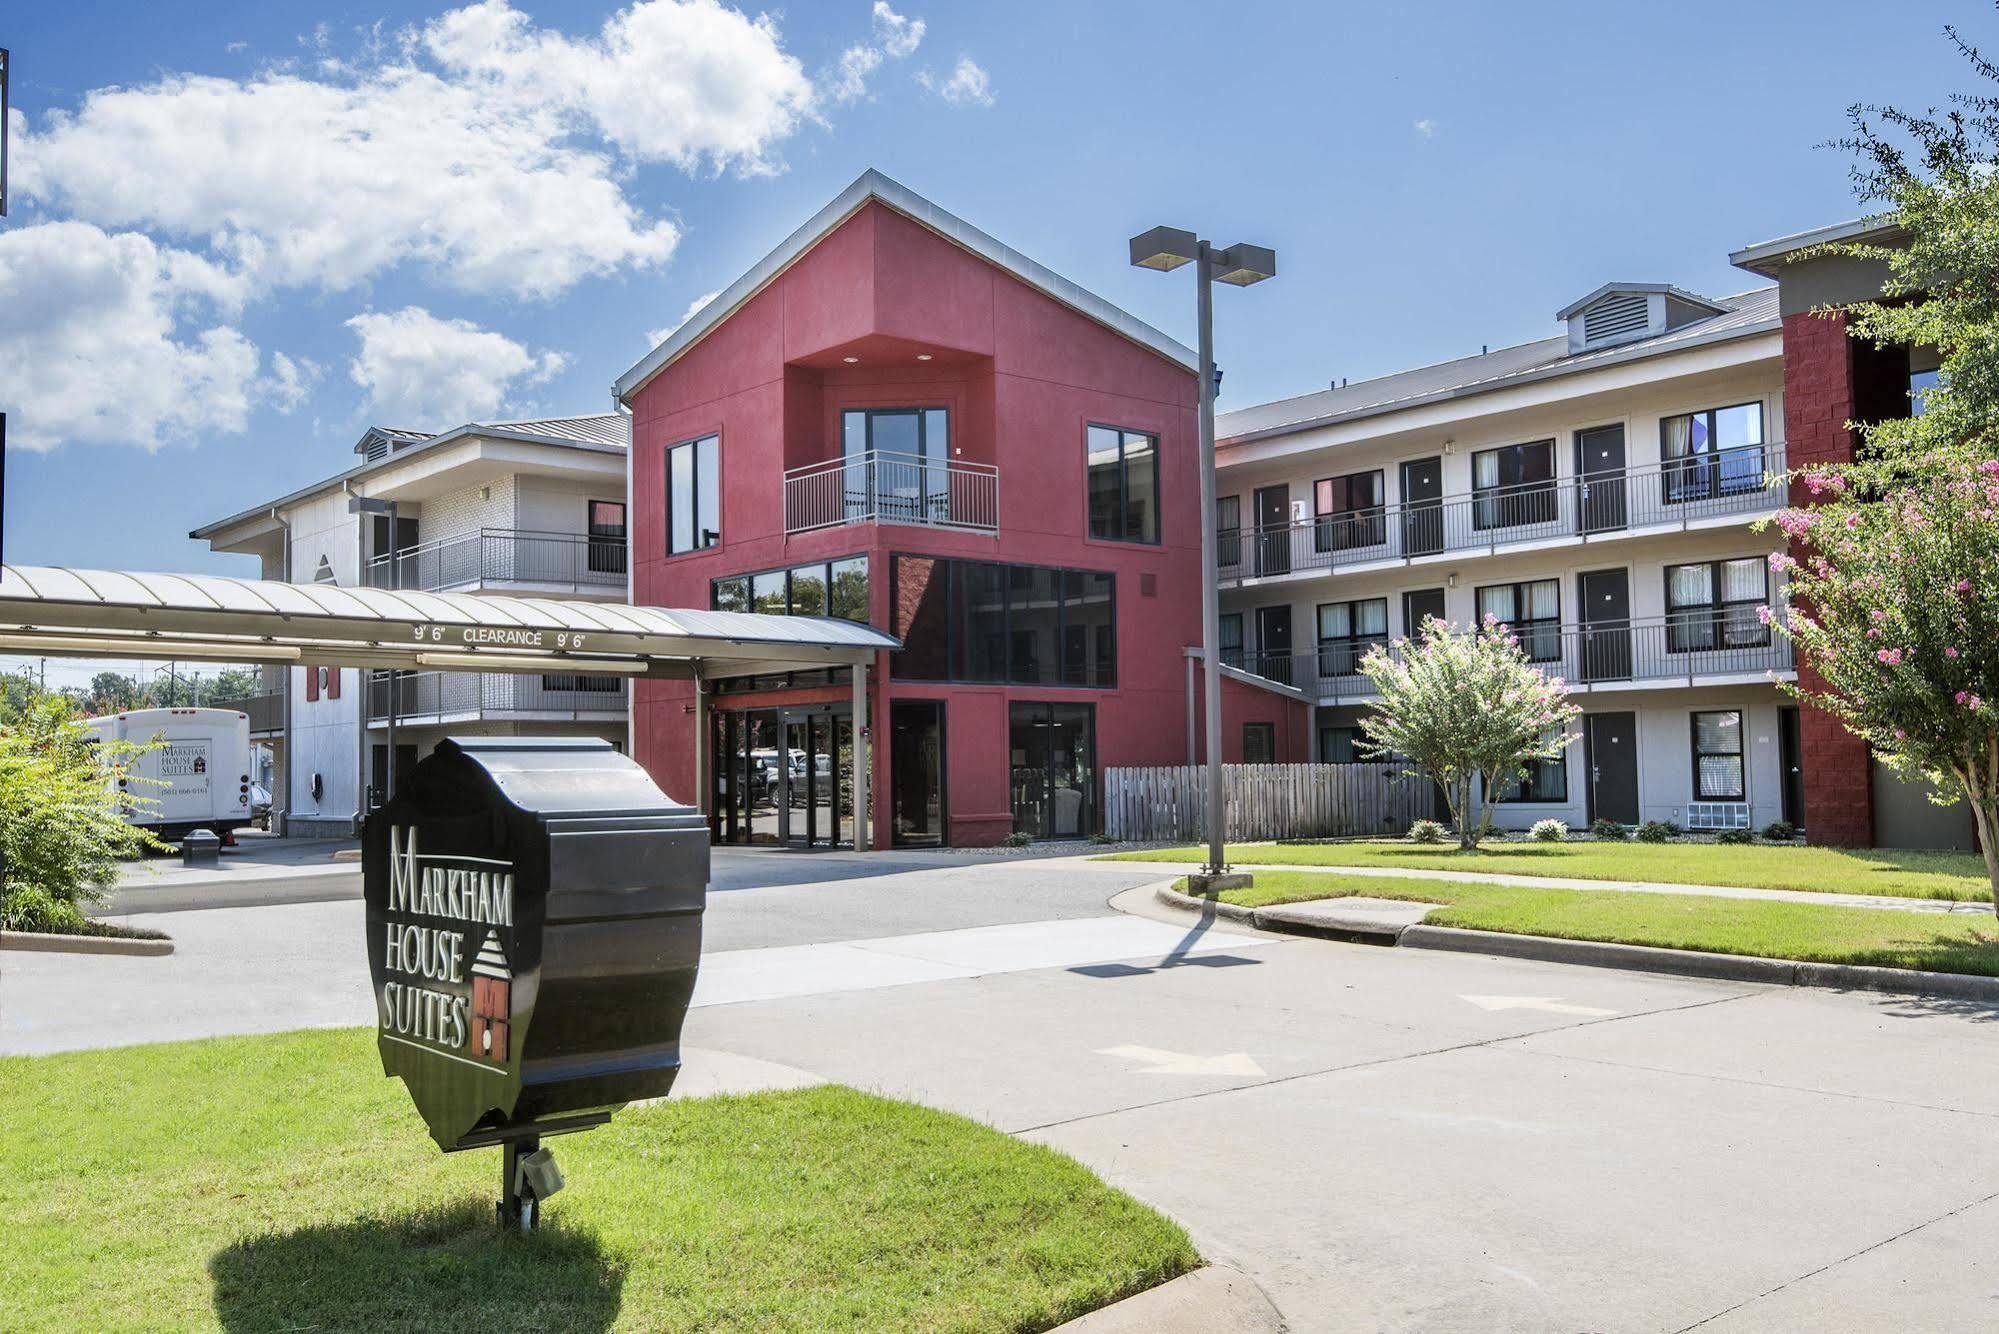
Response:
column 119, row 614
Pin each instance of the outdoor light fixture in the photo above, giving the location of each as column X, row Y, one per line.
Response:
column 923, row 356
column 1165, row 249
column 851, row 361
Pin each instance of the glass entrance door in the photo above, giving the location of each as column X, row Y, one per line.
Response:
column 783, row 777
column 916, row 772
column 1053, row 762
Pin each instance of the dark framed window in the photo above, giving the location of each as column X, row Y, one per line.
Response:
column 985, row 622
column 1544, row 780
column 1717, row 742
column 1350, row 512
column 1123, row 484
column 607, row 537
column 897, row 462
column 1347, row 630
column 1513, row 485
column 1228, row 531
column 770, row 593
column 1342, row 744
column 588, row 683
column 1259, row 743
column 1713, row 605
column 693, row 495
column 1230, row 626
column 1712, row 453
column 1051, row 763
column 823, row 588
column 1532, row 610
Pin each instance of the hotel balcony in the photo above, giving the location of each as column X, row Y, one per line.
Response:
column 507, row 560
column 266, row 707
column 1709, row 490
column 882, row 487
column 1730, row 648
column 426, row 698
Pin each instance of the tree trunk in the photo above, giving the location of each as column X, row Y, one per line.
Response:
column 1980, row 795
column 1467, row 838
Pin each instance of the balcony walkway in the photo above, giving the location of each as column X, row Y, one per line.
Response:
column 506, row 559
column 879, row 486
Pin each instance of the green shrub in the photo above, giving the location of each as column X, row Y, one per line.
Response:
column 1610, row 831
column 1656, row 831
column 1735, row 836
column 1018, row 839
column 1548, row 831
column 1100, row 838
column 1426, row 831
column 1780, row 831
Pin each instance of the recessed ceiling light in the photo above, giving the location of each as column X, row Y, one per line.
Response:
column 850, row 360
column 923, row 356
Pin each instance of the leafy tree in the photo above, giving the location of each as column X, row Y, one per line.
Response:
column 114, row 692
column 60, row 827
column 1460, row 705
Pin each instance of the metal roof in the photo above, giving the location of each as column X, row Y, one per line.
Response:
column 871, row 185
column 1748, row 314
column 1769, row 257
column 121, row 613
column 1692, row 298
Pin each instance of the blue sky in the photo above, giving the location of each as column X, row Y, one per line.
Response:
column 198, row 272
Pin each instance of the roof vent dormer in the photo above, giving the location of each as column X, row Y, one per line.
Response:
column 1626, row 312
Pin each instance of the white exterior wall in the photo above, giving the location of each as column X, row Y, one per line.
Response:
column 326, row 732
column 549, row 505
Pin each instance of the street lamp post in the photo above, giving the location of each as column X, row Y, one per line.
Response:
column 1166, row 249
column 387, row 508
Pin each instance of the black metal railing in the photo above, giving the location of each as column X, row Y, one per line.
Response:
column 1677, row 493
column 505, row 556
column 457, row 694
column 1685, row 648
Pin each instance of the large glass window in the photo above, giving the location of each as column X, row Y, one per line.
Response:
column 1342, row 744
column 847, row 585
column 1259, row 743
column 909, row 476
column 1052, row 765
column 980, row 621
column 768, row 594
column 693, row 495
column 1532, row 610
column 1513, row 485
column 732, row 594
column 1231, row 633
column 835, row 588
column 1228, row 531
column 1718, row 756
column 1544, row 780
column 1347, row 630
column 1713, row 605
column 1350, row 512
column 607, row 537
column 1123, row 484
column 1712, row 453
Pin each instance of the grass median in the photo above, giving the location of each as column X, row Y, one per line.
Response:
column 281, row 1183
column 1896, row 873
column 1880, row 937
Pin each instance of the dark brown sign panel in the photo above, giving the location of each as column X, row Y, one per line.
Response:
column 534, row 927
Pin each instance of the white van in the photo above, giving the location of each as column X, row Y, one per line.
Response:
column 201, row 768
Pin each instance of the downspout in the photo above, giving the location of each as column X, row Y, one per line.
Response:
column 361, row 747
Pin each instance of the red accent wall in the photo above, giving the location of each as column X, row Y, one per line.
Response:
column 1023, row 376
column 1820, row 398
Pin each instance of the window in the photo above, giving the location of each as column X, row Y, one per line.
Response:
column 1713, row 605
column 1513, row 485
column 1533, row 611
column 693, row 503
column 583, row 683
column 1228, row 531
column 1342, row 745
column 1717, row 452
column 898, row 463
column 1350, row 513
column 1123, row 484
column 981, row 621
column 1544, row 780
column 1231, row 634
column 824, row 588
column 1347, row 630
column 607, row 537
column 1051, row 754
column 1259, row 743
column 1718, row 756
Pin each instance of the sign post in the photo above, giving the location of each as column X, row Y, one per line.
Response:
column 534, row 927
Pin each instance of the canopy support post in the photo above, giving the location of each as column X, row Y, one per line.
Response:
column 862, row 802
column 701, row 797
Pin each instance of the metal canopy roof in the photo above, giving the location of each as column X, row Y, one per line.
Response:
column 116, row 613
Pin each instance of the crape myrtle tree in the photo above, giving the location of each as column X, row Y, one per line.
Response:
column 1459, row 706
column 1894, row 567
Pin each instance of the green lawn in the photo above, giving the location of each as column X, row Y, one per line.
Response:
column 1957, row 943
column 281, row 1183
column 1916, row 875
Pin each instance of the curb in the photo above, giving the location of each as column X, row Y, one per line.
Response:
column 1210, row 1300
column 50, row 943
column 1275, row 918
column 1632, row 958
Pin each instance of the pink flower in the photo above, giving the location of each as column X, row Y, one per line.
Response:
column 1891, row 656
column 1874, row 632
column 1964, row 585
column 1781, row 561
column 1961, row 696
column 1877, row 615
column 1853, row 521
column 1764, row 615
column 1950, row 653
column 1972, row 703
column 1900, row 735
column 1989, row 467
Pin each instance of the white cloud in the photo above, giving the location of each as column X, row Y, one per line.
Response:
column 968, row 84
column 894, row 37
column 420, row 371
column 654, row 337
column 106, row 341
column 291, row 381
column 691, row 82
column 1426, row 127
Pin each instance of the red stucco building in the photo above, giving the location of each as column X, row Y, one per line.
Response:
column 894, row 417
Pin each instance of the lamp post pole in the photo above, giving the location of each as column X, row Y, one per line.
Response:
column 1211, row 593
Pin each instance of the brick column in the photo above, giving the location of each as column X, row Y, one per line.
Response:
column 1819, row 399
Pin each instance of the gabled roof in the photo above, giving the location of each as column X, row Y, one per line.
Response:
column 1747, row 315
column 394, row 437
column 872, row 186
column 1691, row 298
column 1768, row 257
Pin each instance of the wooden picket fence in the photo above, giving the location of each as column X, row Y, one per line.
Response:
column 1265, row 801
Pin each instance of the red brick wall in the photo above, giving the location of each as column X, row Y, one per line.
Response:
column 1819, row 399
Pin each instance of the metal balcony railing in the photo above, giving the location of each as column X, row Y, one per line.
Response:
column 456, row 694
column 267, row 711
column 505, row 556
column 1682, row 649
column 1677, row 493
column 884, row 487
